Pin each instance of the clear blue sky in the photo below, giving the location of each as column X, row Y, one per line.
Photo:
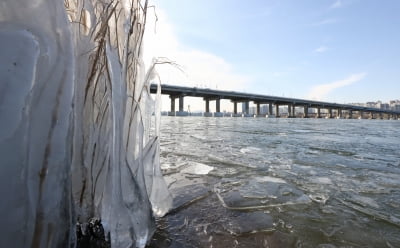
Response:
column 341, row 51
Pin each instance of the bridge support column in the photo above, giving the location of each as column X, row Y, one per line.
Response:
column 276, row 110
column 290, row 109
column 361, row 115
column 371, row 115
column 294, row 111
column 270, row 111
column 258, row 109
column 305, row 111
column 218, row 105
column 181, row 103
column 235, row 110
column 246, row 107
column 350, row 114
column 339, row 115
column 218, row 108
column 172, row 113
column 330, row 113
column 318, row 112
column 207, row 113
column 181, row 111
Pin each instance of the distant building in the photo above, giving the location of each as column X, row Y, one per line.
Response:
column 385, row 106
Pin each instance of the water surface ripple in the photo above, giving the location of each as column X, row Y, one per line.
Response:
column 256, row 182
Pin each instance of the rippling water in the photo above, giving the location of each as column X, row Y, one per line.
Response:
column 256, row 182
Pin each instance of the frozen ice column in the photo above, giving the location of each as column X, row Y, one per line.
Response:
column 36, row 92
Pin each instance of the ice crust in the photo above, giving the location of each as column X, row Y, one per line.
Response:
column 75, row 111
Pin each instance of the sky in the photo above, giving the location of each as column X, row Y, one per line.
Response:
column 342, row 51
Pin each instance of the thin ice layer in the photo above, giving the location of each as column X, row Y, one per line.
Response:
column 261, row 192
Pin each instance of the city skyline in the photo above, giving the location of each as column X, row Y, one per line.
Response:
column 331, row 50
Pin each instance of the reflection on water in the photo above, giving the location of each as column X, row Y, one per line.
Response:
column 245, row 182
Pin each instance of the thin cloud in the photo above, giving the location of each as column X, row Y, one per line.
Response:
column 337, row 4
column 321, row 49
column 319, row 92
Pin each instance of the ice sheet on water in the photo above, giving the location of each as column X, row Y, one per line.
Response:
column 249, row 222
column 184, row 196
column 369, row 207
column 229, row 162
column 197, row 168
column 270, row 179
column 260, row 192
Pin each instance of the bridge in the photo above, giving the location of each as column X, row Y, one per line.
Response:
column 332, row 110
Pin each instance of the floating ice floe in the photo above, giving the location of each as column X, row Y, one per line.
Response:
column 197, row 169
column 259, row 192
column 251, row 222
column 250, row 149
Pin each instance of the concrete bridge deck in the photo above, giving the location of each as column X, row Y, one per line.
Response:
column 209, row 95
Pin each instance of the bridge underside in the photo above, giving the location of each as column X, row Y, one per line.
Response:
column 276, row 106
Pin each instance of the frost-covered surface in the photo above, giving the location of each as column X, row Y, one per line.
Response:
column 75, row 115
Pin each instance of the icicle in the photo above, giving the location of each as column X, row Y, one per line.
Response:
column 36, row 88
column 85, row 54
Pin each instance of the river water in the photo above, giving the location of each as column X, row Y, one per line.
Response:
column 256, row 182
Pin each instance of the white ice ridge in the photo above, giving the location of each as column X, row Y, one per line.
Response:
column 75, row 115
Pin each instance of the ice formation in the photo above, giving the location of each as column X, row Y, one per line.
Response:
column 75, row 115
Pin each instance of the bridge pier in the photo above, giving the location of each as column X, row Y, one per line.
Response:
column 218, row 112
column 258, row 114
column 350, row 114
column 246, row 108
column 270, row 110
column 277, row 111
column 330, row 114
column 181, row 111
column 319, row 113
column 305, row 111
column 235, row 111
column 181, row 103
column 291, row 110
column 207, row 113
column 339, row 114
column 172, row 112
